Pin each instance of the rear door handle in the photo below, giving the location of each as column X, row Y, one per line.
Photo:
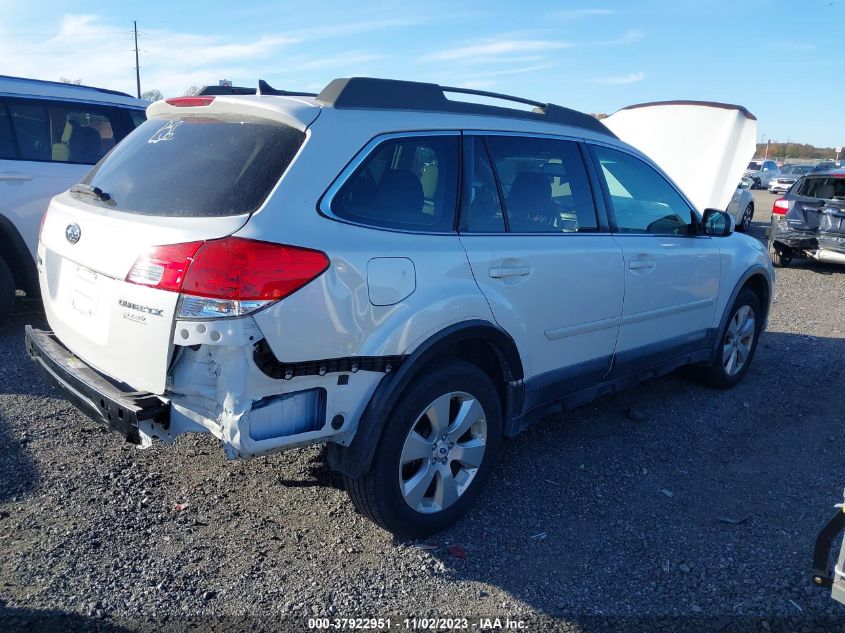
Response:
column 13, row 175
column 500, row 272
column 642, row 263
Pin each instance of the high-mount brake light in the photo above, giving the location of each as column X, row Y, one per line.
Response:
column 227, row 277
column 189, row 102
column 780, row 207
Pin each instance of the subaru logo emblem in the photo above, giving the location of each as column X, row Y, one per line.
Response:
column 73, row 233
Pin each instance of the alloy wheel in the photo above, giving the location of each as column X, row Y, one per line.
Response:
column 442, row 452
column 738, row 340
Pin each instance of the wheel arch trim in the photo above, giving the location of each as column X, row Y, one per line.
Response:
column 354, row 460
column 20, row 262
column 754, row 271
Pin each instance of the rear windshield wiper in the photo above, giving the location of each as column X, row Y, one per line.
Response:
column 90, row 190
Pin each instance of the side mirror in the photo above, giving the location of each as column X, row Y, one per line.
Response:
column 718, row 223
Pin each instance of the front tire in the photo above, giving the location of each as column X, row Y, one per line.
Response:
column 7, row 290
column 747, row 217
column 737, row 344
column 435, row 453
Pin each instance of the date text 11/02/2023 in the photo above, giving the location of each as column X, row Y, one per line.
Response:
column 418, row 624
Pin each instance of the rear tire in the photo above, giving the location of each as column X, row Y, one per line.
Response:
column 736, row 345
column 7, row 290
column 781, row 255
column 435, row 453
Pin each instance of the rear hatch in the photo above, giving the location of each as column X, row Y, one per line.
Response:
column 813, row 199
column 189, row 175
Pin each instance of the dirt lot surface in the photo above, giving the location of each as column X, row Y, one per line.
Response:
column 702, row 515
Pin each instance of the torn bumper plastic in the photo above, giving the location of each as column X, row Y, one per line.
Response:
column 104, row 401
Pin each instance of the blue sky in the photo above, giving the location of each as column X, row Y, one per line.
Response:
column 782, row 60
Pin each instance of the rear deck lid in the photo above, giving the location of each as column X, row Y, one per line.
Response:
column 184, row 179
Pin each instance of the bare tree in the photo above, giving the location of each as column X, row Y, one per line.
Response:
column 190, row 92
column 152, row 95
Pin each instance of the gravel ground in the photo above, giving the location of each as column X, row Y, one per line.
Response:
column 702, row 514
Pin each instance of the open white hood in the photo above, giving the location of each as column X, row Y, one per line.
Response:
column 704, row 147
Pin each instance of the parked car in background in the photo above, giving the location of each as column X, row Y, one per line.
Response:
column 827, row 165
column 760, row 172
column 788, row 175
column 809, row 220
column 741, row 206
column 50, row 135
column 406, row 277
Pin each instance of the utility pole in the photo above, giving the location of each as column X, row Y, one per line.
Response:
column 137, row 68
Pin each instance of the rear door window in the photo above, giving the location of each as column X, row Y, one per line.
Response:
column 64, row 132
column 196, row 166
column 543, row 184
column 408, row 183
column 8, row 149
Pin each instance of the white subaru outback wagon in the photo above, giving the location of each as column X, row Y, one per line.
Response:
column 406, row 277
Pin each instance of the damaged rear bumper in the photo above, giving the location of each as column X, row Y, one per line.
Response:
column 121, row 409
column 825, row 243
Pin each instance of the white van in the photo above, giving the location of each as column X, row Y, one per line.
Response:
column 50, row 135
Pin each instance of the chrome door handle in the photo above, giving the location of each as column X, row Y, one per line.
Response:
column 13, row 176
column 499, row 272
column 641, row 264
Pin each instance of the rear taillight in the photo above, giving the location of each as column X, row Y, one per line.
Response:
column 189, row 102
column 227, row 277
column 780, row 207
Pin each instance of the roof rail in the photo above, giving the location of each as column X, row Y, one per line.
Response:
column 392, row 94
column 69, row 85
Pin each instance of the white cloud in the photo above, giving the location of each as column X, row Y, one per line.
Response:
column 349, row 59
column 477, row 84
column 630, row 36
column 470, row 54
column 620, row 80
column 513, row 71
column 574, row 14
column 101, row 54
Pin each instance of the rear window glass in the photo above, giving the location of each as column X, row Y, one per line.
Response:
column 59, row 132
column 196, row 165
column 823, row 188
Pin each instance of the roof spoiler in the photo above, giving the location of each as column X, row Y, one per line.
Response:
column 263, row 89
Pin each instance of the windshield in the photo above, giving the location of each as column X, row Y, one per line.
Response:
column 754, row 165
column 195, row 166
column 797, row 169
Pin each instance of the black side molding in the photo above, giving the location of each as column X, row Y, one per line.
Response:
column 90, row 392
